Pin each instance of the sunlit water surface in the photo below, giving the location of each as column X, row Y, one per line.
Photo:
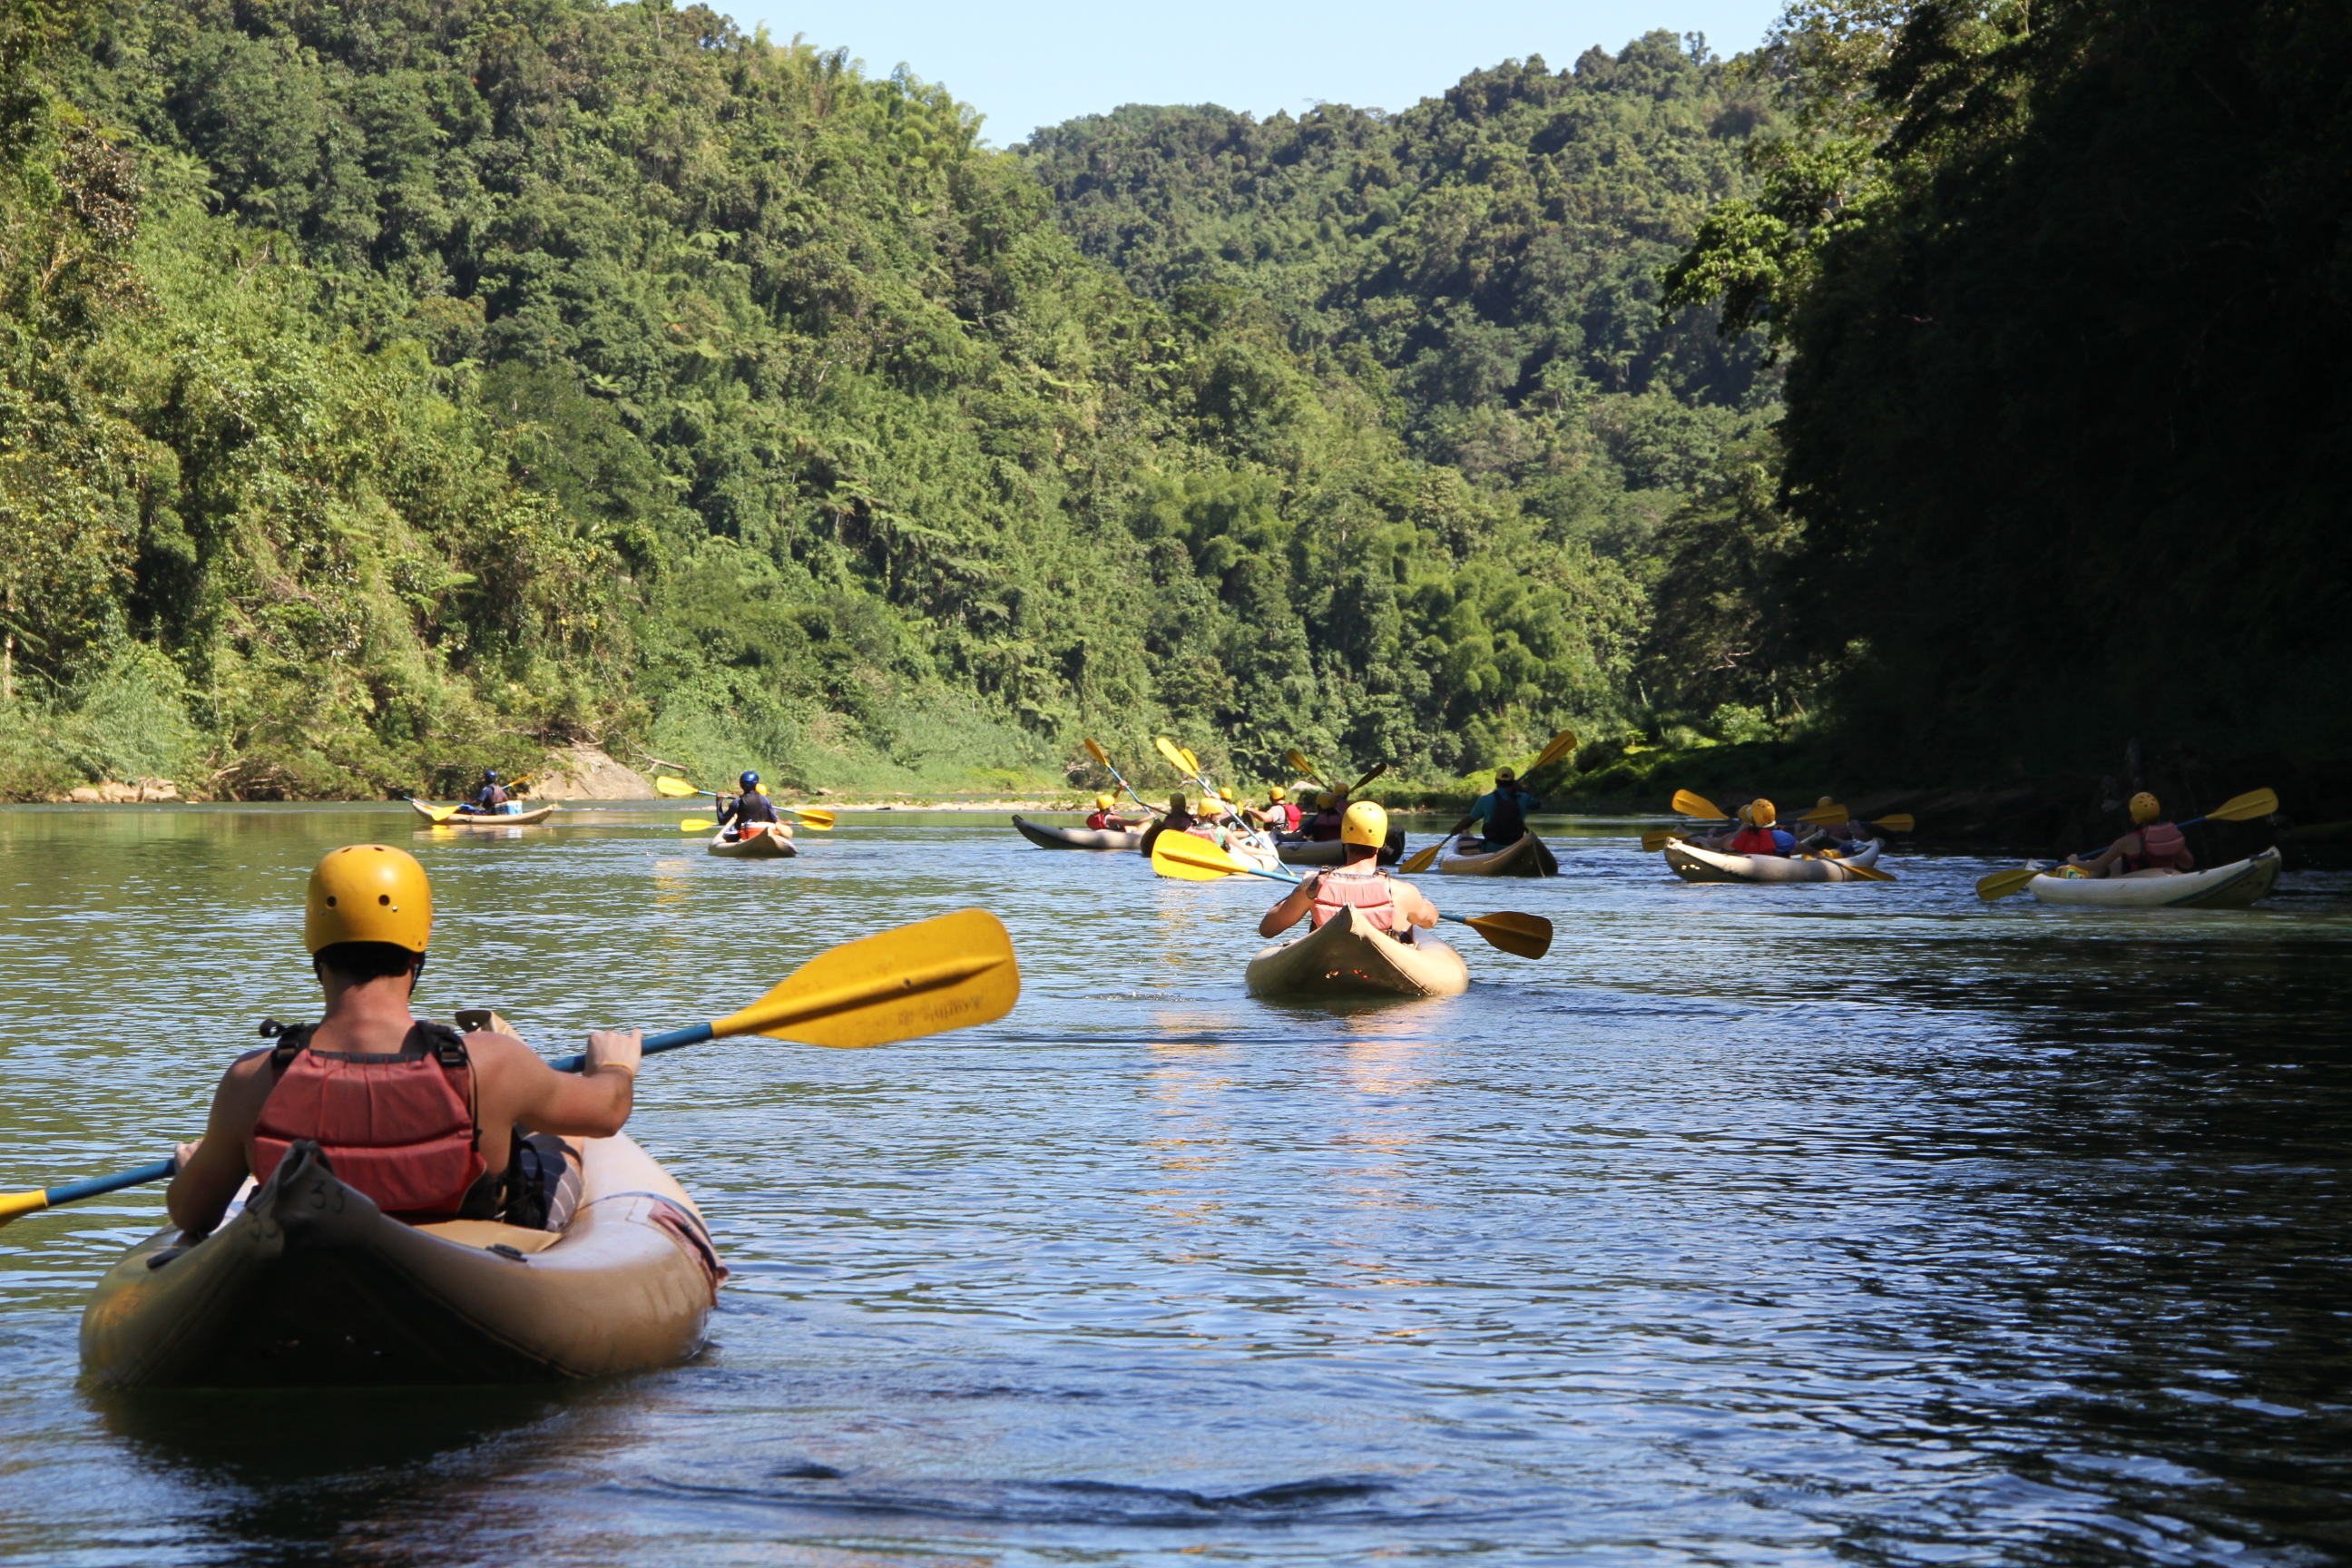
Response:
column 1831, row 1223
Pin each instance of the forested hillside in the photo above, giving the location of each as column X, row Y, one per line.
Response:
column 392, row 387
column 2065, row 293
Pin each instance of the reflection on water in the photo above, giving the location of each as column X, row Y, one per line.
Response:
column 1853, row 1224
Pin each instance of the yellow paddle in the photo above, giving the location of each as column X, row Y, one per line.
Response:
column 1422, row 859
column 1103, row 757
column 678, row 789
column 2243, row 808
column 440, row 814
column 934, row 975
column 1560, row 745
column 1298, row 760
column 1191, row 859
column 1688, row 804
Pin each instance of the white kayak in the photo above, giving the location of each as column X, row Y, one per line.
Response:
column 770, row 845
column 1694, row 864
column 1347, row 956
column 2230, row 887
column 519, row 817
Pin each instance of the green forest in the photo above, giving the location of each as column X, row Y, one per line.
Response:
column 387, row 389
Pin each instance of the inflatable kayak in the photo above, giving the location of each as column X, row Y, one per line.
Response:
column 1332, row 852
column 1528, row 857
column 767, row 846
column 1045, row 837
column 485, row 819
column 2230, row 887
column 1694, row 864
column 310, row 1285
column 1348, row 957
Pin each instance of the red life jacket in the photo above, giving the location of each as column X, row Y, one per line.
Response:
column 2160, row 844
column 1367, row 893
column 1755, row 841
column 400, row 1129
column 1289, row 812
column 1324, row 827
column 1100, row 821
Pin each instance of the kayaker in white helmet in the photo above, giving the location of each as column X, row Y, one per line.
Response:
column 1390, row 904
column 2153, row 847
column 429, row 1123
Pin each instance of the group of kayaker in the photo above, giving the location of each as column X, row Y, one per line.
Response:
column 1756, row 830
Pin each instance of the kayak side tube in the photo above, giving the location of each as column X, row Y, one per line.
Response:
column 312, row 1286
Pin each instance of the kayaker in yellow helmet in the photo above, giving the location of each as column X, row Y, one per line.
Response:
column 1279, row 814
column 2153, row 847
column 1324, row 826
column 1501, row 816
column 1759, row 833
column 1357, row 882
column 1107, row 820
column 429, row 1123
column 1838, row 836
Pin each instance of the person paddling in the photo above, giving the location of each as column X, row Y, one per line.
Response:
column 1500, row 814
column 1358, row 883
column 1279, row 814
column 487, row 801
column 1757, row 835
column 429, row 1123
column 1103, row 819
column 1324, row 826
column 2154, row 846
column 750, row 812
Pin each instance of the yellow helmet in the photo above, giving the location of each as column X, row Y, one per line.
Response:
column 1761, row 814
column 1226, row 794
column 1104, row 802
column 2144, row 808
column 368, row 892
column 1825, row 800
column 1275, row 792
column 1325, row 801
column 1366, row 822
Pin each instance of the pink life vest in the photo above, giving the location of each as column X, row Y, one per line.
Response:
column 399, row 1127
column 1755, row 841
column 1366, row 893
column 2160, row 844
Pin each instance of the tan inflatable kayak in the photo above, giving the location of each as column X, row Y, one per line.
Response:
column 767, row 846
column 509, row 819
column 1347, row 957
column 1528, row 857
column 2230, row 887
column 1692, row 864
column 309, row 1285
column 1045, row 837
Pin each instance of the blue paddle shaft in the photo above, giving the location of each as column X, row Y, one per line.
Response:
column 73, row 1192
column 692, row 1034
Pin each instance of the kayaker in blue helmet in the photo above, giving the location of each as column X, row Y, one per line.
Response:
column 750, row 812
column 1500, row 814
column 429, row 1123
column 489, row 800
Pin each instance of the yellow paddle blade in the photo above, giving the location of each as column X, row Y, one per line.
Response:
column 1690, row 804
column 2001, row 884
column 1191, row 859
column 810, row 815
column 1868, row 873
column 1528, row 936
column 1191, row 761
column 1168, row 749
column 922, row 979
column 1901, row 822
column 675, row 789
column 1298, row 760
column 1368, row 778
column 1422, row 861
column 1562, row 744
column 17, row 1206
column 698, row 825
column 1654, row 841
column 2245, row 807
column 1097, row 752
column 1822, row 816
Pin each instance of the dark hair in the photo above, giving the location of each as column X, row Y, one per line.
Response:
column 360, row 962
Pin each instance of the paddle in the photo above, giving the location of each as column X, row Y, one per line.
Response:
column 1422, row 859
column 934, row 975
column 1654, row 841
column 1182, row 759
column 678, row 789
column 1100, row 755
column 2237, row 808
column 1191, row 859
column 1558, row 747
column 1298, row 760
column 1689, row 805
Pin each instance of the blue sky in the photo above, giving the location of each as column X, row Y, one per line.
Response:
column 1046, row 61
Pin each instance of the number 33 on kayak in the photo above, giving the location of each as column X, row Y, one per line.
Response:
column 425, row 1205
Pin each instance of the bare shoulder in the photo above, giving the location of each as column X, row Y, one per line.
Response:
column 496, row 1051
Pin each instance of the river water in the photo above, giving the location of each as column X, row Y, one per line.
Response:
column 1855, row 1223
